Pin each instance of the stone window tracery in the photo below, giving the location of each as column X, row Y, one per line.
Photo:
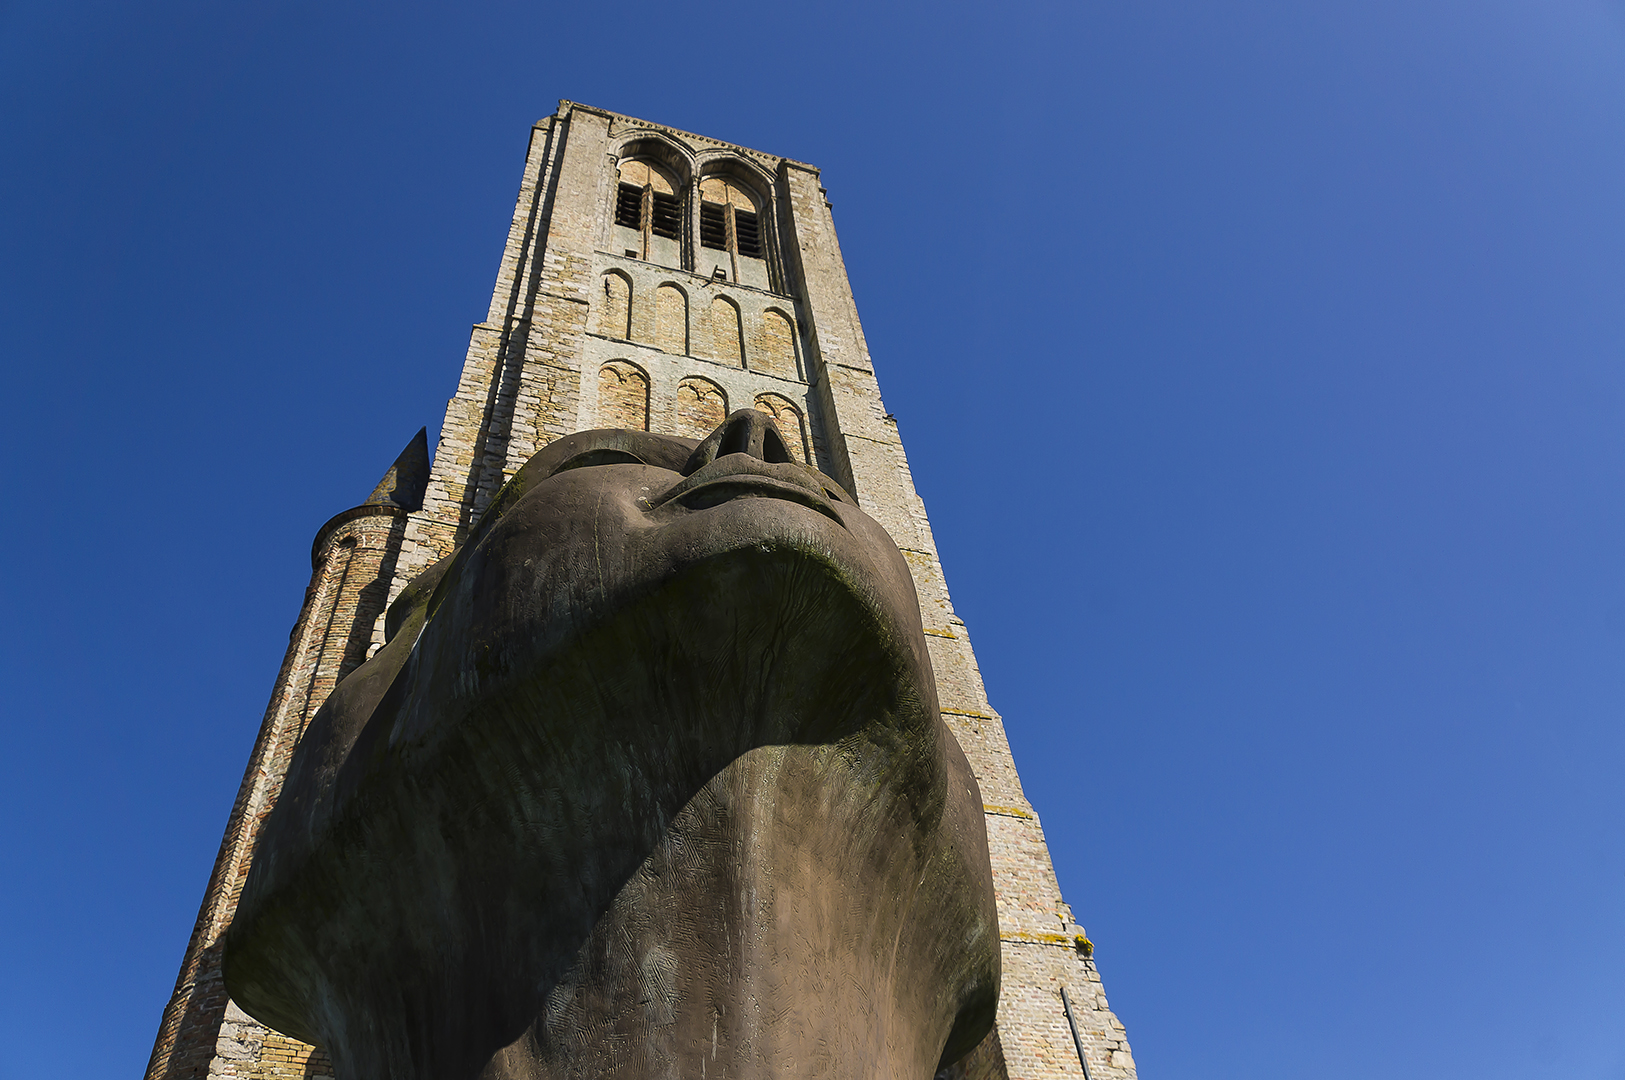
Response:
column 702, row 405
column 623, row 396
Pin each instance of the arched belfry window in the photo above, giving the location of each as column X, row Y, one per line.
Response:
column 731, row 233
column 648, row 214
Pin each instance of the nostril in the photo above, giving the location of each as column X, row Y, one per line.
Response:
column 774, row 452
column 748, row 432
column 735, row 440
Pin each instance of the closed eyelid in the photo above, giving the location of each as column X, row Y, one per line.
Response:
column 602, row 455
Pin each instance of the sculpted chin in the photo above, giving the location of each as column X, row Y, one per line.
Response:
column 648, row 781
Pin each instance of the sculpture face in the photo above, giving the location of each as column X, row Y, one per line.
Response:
column 649, row 780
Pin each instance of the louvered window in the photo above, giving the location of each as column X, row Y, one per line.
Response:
column 666, row 216
column 714, row 226
column 649, row 204
column 748, row 233
column 629, row 207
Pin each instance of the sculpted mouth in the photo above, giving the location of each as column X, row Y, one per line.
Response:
column 728, row 488
column 738, row 476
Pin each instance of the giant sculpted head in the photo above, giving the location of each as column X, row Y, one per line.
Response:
column 648, row 781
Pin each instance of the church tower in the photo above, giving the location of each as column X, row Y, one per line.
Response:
column 652, row 279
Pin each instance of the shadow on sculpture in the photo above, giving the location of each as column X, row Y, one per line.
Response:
column 648, row 780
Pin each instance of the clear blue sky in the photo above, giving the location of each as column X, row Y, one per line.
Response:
column 1259, row 364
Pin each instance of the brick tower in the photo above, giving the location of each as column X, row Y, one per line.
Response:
column 652, row 279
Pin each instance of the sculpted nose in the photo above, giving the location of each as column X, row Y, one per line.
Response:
column 747, row 431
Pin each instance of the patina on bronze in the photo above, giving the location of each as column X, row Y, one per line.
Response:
column 649, row 780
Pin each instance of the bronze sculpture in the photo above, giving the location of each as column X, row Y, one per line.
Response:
column 648, row 780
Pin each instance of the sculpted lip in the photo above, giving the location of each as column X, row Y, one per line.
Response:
column 702, row 491
column 744, row 487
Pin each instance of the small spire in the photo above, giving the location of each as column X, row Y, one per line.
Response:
column 403, row 485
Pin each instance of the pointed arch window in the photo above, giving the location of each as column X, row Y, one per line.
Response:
column 702, row 405
column 722, row 323
column 671, row 320
column 648, row 213
column 731, row 232
column 615, row 309
column 773, row 349
column 623, row 396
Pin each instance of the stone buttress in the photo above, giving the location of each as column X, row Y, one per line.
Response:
column 654, row 279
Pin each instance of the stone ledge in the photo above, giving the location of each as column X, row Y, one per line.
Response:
column 1076, row 942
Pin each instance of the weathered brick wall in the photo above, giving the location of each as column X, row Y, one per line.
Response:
column 570, row 305
column 248, row 1049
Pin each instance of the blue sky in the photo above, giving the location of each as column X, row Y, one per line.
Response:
column 1259, row 364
